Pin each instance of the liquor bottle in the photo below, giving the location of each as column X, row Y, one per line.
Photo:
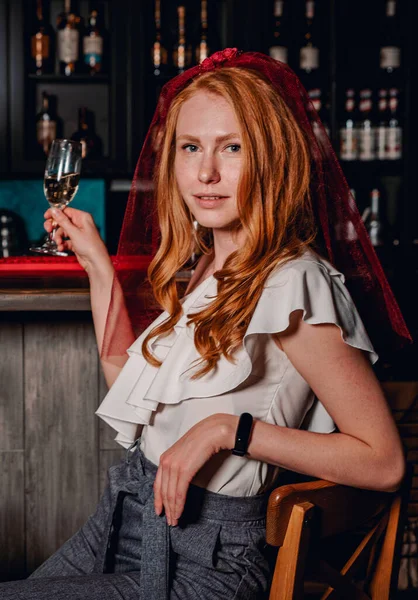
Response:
column 182, row 50
column 46, row 125
column 159, row 52
column 69, row 26
column 374, row 224
column 42, row 42
column 202, row 49
column 322, row 108
column 309, row 52
column 390, row 51
column 367, row 129
column 279, row 44
column 350, row 230
column 382, row 125
column 93, row 43
column 349, row 133
column 394, row 130
column 91, row 143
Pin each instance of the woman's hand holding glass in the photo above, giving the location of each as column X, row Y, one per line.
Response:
column 77, row 232
column 61, row 179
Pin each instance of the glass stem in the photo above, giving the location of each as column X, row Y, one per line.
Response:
column 52, row 234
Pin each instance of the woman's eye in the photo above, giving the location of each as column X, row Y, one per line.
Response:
column 235, row 147
column 190, row 147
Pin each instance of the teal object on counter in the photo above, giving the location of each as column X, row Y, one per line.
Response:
column 27, row 199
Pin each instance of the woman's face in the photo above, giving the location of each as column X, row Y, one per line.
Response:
column 208, row 159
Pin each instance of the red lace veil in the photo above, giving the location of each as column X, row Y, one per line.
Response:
column 342, row 237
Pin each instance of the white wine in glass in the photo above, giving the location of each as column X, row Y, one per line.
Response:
column 62, row 176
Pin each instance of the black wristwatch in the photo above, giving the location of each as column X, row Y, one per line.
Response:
column 242, row 437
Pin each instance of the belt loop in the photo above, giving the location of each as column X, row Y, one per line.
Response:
column 138, row 457
column 129, row 450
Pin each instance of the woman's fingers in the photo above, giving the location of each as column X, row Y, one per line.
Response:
column 170, row 490
column 65, row 246
column 180, row 498
column 172, row 495
column 165, row 477
column 158, row 503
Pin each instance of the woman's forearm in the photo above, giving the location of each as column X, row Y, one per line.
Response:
column 101, row 282
column 335, row 456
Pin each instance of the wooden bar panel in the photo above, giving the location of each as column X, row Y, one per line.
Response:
column 11, row 386
column 12, row 516
column 61, row 433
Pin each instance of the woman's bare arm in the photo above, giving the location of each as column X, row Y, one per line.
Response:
column 78, row 233
column 367, row 451
column 102, row 278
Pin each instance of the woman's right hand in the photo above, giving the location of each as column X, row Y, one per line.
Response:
column 82, row 236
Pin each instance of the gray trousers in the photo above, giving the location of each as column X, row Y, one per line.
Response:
column 125, row 552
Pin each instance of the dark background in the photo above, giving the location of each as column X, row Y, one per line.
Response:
column 123, row 100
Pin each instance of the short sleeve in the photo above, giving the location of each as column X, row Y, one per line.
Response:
column 319, row 291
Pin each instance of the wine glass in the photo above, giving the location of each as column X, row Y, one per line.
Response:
column 61, row 179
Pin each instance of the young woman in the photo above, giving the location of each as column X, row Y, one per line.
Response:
column 263, row 365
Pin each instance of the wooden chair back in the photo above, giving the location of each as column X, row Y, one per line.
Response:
column 312, row 522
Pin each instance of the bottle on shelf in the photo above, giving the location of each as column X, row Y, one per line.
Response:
column 182, row 54
column 93, row 43
column 367, row 129
column 348, row 130
column 69, row 28
column 345, row 230
column 279, row 43
column 91, row 143
column 390, row 51
column 159, row 52
column 309, row 52
column 374, row 222
column 42, row 42
column 46, row 124
column 382, row 125
column 322, row 108
column 394, row 129
column 202, row 49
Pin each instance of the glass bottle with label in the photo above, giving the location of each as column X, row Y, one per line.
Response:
column 349, row 133
column 91, row 143
column 390, row 51
column 309, row 52
column 69, row 26
column 159, row 52
column 42, row 42
column 279, row 43
column 374, row 224
column 182, row 50
column 394, row 129
column 93, row 43
column 46, row 125
column 367, row 129
column 321, row 106
column 202, row 48
column 382, row 125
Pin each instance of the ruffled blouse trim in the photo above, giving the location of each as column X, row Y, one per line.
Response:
column 309, row 283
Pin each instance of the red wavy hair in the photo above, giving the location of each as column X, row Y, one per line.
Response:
column 274, row 206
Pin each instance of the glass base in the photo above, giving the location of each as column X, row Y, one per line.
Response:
column 49, row 251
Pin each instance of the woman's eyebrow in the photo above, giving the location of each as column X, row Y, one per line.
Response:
column 222, row 138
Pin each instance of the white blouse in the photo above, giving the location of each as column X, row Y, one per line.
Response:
column 167, row 402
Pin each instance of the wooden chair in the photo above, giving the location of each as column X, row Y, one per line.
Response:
column 312, row 522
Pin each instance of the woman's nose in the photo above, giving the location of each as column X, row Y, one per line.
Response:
column 208, row 171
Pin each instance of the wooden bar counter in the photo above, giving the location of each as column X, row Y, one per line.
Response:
column 54, row 451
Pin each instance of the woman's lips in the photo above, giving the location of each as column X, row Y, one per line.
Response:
column 210, row 202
